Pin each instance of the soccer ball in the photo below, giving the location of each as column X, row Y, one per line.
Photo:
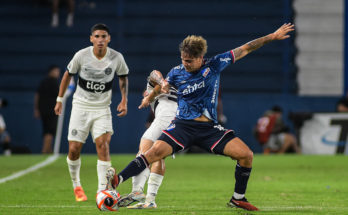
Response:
column 107, row 200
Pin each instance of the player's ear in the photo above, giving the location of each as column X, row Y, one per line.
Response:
column 109, row 38
column 91, row 38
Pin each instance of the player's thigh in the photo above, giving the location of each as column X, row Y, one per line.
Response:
column 102, row 123
column 79, row 125
column 238, row 150
column 159, row 150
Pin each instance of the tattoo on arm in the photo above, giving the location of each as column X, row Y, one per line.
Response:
column 238, row 53
column 124, row 86
column 245, row 49
column 255, row 44
column 156, row 77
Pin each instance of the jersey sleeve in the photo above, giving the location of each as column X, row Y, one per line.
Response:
column 74, row 65
column 170, row 77
column 221, row 61
column 122, row 68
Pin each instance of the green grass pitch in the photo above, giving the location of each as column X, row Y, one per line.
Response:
column 193, row 185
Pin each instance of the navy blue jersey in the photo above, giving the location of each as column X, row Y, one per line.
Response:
column 198, row 91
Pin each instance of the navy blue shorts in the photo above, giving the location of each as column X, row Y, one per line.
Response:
column 182, row 134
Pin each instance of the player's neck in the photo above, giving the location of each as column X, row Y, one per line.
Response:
column 99, row 53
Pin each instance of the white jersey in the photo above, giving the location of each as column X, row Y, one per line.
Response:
column 172, row 96
column 164, row 107
column 95, row 77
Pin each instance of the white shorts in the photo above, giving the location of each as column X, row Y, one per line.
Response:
column 98, row 122
column 164, row 114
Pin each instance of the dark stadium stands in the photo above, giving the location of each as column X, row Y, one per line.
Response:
column 148, row 34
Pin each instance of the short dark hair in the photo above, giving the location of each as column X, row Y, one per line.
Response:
column 100, row 26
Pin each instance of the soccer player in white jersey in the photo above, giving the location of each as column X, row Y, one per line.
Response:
column 96, row 67
column 164, row 107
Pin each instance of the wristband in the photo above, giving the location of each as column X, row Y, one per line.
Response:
column 59, row 99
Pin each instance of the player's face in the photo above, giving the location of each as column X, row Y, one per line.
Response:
column 191, row 64
column 100, row 39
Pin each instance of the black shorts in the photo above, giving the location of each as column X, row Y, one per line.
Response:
column 182, row 134
column 49, row 124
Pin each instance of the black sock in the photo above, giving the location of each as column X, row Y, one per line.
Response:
column 135, row 167
column 242, row 176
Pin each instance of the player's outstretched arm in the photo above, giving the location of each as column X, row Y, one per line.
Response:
column 150, row 97
column 62, row 88
column 280, row 34
column 157, row 77
column 122, row 107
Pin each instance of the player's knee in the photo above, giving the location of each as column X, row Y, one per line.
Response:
column 246, row 159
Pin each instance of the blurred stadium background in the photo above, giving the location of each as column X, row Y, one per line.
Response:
column 305, row 73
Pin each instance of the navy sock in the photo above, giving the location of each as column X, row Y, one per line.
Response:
column 242, row 176
column 135, row 167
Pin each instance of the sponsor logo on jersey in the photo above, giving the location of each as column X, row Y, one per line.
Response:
column 226, row 59
column 205, row 72
column 190, row 89
column 95, row 86
column 108, row 71
column 213, row 98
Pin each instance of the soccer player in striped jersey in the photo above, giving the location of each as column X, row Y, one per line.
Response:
column 197, row 82
column 164, row 107
column 96, row 67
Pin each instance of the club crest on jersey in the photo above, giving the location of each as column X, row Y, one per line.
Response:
column 108, row 71
column 205, row 72
column 74, row 132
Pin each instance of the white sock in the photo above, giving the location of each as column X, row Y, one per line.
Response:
column 74, row 170
column 238, row 196
column 154, row 182
column 102, row 166
column 138, row 181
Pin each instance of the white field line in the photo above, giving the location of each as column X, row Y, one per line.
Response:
column 44, row 163
column 271, row 208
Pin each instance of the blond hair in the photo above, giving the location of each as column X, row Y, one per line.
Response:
column 194, row 46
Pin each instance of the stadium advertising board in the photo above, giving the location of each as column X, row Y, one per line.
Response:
column 325, row 133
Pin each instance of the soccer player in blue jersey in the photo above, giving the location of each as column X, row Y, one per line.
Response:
column 197, row 81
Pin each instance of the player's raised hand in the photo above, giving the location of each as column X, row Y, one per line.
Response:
column 58, row 108
column 282, row 32
column 122, row 108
